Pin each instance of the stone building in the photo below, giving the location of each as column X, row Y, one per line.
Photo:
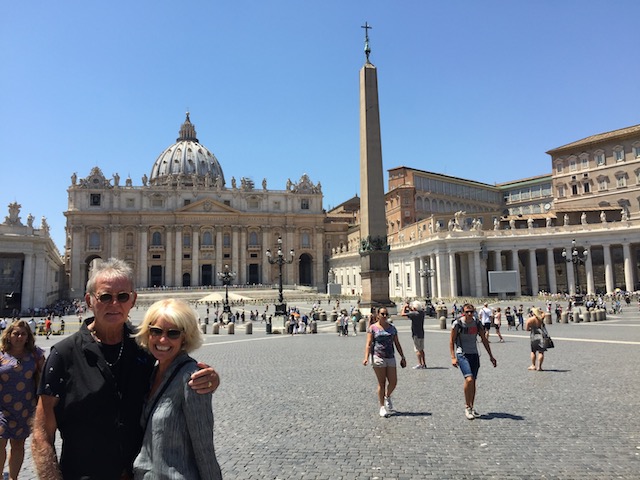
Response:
column 188, row 221
column 447, row 233
column 31, row 268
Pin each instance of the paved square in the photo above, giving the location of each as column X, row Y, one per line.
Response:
column 304, row 407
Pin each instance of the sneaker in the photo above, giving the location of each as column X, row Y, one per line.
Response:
column 468, row 412
column 475, row 413
column 383, row 412
column 388, row 404
column 417, row 367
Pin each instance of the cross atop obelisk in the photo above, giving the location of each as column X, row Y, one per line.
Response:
column 374, row 251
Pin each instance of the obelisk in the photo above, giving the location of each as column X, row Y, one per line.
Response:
column 374, row 251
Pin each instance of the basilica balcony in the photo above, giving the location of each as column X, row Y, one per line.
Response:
column 156, row 248
column 254, row 248
column 207, row 248
column 95, row 248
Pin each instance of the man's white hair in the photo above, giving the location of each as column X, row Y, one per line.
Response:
column 417, row 305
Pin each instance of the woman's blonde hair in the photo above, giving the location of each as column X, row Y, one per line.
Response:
column 177, row 312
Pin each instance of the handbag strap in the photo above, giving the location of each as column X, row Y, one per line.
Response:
column 164, row 388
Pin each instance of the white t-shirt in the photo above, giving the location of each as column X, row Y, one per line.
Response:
column 485, row 315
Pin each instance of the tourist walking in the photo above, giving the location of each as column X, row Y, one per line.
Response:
column 485, row 314
column 497, row 322
column 415, row 312
column 21, row 363
column 535, row 325
column 382, row 337
column 169, row 332
column 464, row 354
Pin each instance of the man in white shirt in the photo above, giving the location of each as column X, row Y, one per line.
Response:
column 485, row 315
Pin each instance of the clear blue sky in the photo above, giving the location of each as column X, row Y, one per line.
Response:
column 476, row 89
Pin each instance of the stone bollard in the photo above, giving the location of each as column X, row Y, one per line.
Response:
column 248, row 328
column 338, row 327
column 577, row 316
column 547, row 318
column 323, row 316
column 215, row 328
column 313, row 326
column 268, row 328
column 203, row 328
column 231, row 327
column 564, row 317
column 587, row 316
column 362, row 325
column 443, row 323
column 604, row 314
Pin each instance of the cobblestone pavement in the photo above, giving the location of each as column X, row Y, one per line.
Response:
column 304, row 407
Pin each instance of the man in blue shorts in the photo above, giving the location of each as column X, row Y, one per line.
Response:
column 464, row 354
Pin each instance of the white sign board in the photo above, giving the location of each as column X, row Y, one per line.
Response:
column 503, row 281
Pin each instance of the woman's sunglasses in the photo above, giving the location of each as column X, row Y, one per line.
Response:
column 172, row 333
column 122, row 297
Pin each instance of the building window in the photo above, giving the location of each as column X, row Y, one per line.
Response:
column 186, row 240
column 574, row 189
column 621, row 181
column 129, row 239
column 253, row 239
column 130, row 203
column 305, row 240
column 573, row 166
column 636, row 151
column 276, row 206
column 95, row 199
column 226, row 240
column 602, row 184
column 156, row 238
column 619, row 154
column 600, row 159
column 397, row 280
column 558, row 167
column 157, row 202
column 585, row 188
column 207, row 239
column 227, row 202
column 584, row 160
column 408, row 280
column 186, row 202
column 253, row 204
column 94, row 241
column 304, row 204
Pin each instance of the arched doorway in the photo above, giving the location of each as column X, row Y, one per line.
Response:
column 306, row 269
column 186, row 279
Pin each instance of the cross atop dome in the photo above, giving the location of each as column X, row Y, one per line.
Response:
column 187, row 131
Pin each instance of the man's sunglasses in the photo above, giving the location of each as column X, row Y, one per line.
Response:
column 172, row 333
column 122, row 297
column 468, row 311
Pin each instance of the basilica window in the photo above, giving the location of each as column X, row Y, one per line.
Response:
column 603, row 184
column 586, row 187
column 253, row 239
column 156, row 239
column 226, row 240
column 621, row 180
column 207, row 238
column 95, row 199
column 129, row 239
column 600, row 160
column 560, row 190
column 186, row 240
column 94, row 241
column 305, row 240
column 304, row 204
column 574, row 189
column 584, row 160
column 573, row 166
column 131, row 203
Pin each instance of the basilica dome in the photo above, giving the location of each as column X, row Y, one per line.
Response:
column 186, row 162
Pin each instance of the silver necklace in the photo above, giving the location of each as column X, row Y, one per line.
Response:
column 119, row 355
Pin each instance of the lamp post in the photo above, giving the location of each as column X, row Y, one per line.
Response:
column 427, row 273
column 226, row 277
column 279, row 259
column 576, row 258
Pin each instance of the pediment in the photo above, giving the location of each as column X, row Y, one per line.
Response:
column 207, row 205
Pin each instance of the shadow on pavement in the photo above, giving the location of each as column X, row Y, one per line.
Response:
column 412, row 414
column 508, row 416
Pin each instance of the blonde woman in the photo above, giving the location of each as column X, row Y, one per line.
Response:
column 169, row 331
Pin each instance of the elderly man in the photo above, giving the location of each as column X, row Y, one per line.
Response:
column 94, row 386
column 415, row 312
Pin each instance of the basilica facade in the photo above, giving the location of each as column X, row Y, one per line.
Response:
column 187, row 222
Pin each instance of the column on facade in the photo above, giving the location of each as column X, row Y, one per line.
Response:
column 453, row 275
column 114, row 245
column 497, row 261
column 78, row 267
column 533, row 272
column 28, row 281
column 421, row 266
column 465, row 261
column 318, row 261
column 628, row 267
column 219, row 262
column 266, row 266
column 434, row 275
column 551, row 271
column 242, row 274
column 195, row 257
column 477, row 275
column 235, row 248
column 143, row 278
column 608, row 268
column 442, row 289
column 515, row 266
column 588, row 269
column 178, row 269
column 168, row 266
column 290, row 268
